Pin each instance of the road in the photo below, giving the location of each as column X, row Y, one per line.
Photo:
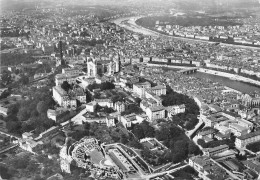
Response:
column 10, row 135
column 129, row 24
column 9, row 148
column 190, row 133
column 10, row 50
column 142, row 173
column 79, row 117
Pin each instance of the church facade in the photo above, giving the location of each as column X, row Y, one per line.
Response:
column 102, row 67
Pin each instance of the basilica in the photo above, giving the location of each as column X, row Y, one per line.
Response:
column 102, row 67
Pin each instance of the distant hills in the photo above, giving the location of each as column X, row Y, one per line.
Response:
column 179, row 4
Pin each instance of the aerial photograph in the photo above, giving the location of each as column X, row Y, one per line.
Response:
column 130, row 90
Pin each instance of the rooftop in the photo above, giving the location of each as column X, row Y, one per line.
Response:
column 210, row 150
column 250, row 135
column 157, row 108
column 237, row 127
column 60, row 90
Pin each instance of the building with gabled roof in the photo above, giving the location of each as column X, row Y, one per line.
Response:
column 207, row 168
column 246, row 139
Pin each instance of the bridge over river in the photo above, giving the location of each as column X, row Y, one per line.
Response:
column 188, row 71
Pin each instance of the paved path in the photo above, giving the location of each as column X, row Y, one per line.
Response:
column 9, row 135
column 79, row 117
column 9, row 148
column 190, row 133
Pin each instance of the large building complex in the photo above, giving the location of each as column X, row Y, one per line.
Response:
column 207, row 168
column 101, row 67
column 251, row 100
column 246, row 139
column 70, row 98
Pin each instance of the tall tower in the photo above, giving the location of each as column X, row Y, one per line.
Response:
column 62, row 62
column 65, row 160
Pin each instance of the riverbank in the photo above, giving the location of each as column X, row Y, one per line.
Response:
column 169, row 66
column 234, row 77
column 129, row 23
column 230, row 76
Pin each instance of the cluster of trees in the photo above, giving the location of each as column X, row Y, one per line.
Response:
column 4, row 173
column 105, row 109
column 154, row 157
column 31, row 114
column 117, row 97
column 132, row 108
column 143, row 130
column 255, row 147
column 172, row 136
column 30, row 167
column 25, row 75
column 43, row 68
column 22, row 165
column 5, row 94
column 12, row 59
column 7, row 80
column 66, row 86
column 103, row 86
column 47, row 148
column 176, row 140
column 185, row 173
column 105, row 134
column 188, row 119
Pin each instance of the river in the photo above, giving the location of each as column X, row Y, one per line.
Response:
column 237, row 85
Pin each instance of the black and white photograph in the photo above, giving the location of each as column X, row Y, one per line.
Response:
column 130, row 90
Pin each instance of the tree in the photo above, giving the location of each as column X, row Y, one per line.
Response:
column 176, row 158
column 32, row 167
column 181, row 147
column 4, row 172
column 88, row 96
column 202, row 143
column 20, row 162
column 5, row 94
column 138, row 100
column 26, row 127
column 148, row 130
column 6, row 77
column 24, row 80
column 17, row 71
column 13, row 127
column 135, row 144
column 66, row 86
column 138, row 131
column 23, row 114
column 13, row 109
column 193, row 149
column 42, row 107
column 124, row 139
column 47, row 171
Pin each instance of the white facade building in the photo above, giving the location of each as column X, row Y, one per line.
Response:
column 154, row 113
